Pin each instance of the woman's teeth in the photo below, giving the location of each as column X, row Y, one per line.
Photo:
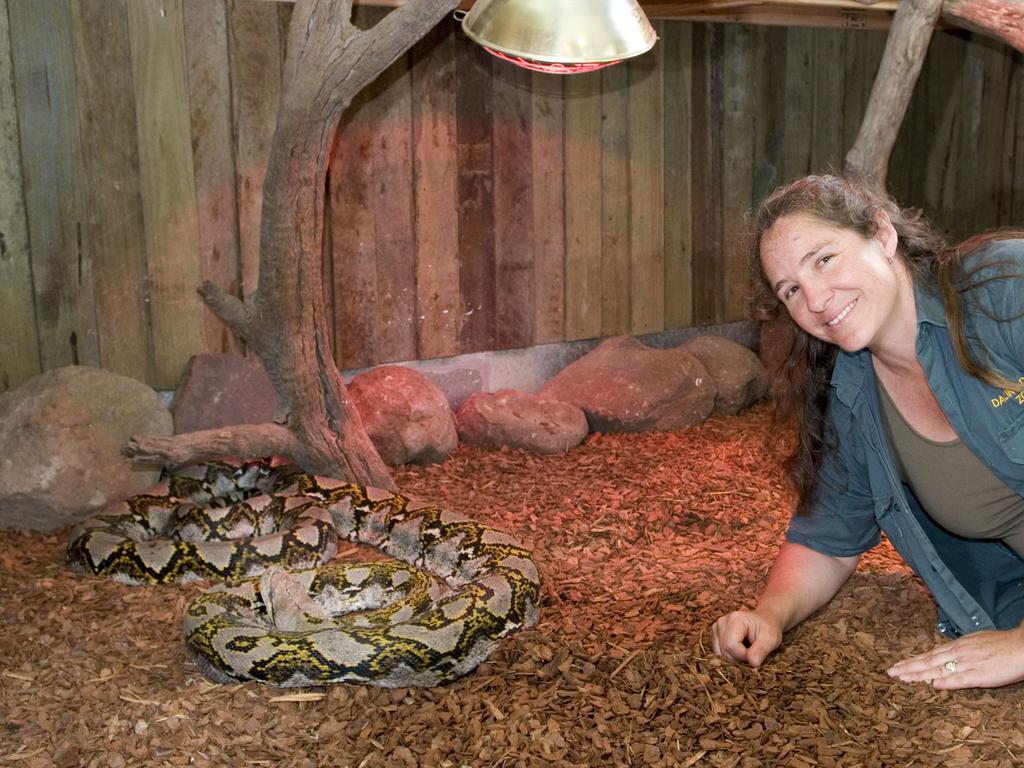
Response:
column 838, row 318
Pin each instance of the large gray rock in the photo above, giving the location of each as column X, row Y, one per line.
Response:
column 521, row 420
column 741, row 379
column 220, row 391
column 62, row 433
column 405, row 414
column 625, row 386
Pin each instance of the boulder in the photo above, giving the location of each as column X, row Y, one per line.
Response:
column 62, row 434
column 521, row 420
column 220, row 391
column 625, row 386
column 741, row 379
column 405, row 414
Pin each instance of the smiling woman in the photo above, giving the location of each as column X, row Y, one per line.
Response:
column 905, row 380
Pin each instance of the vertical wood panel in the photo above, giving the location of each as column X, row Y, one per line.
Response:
column 983, row 209
column 44, row 79
column 513, row 207
column 738, row 138
column 474, row 94
column 353, row 256
column 112, row 233
column 1007, row 183
column 827, row 92
column 964, row 154
column 706, row 157
column 391, row 204
column 861, row 57
column 677, row 57
column 255, row 60
column 646, row 185
column 799, row 103
column 206, row 45
column 940, row 91
column 436, row 194
column 19, row 346
column 1015, row 145
column 548, row 178
column 615, row 277
column 168, row 186
column 583, row 206
column 769, row 111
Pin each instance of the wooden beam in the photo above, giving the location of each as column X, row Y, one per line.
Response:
column 1001, row 19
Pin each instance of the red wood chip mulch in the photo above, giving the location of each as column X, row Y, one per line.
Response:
column 643, row 540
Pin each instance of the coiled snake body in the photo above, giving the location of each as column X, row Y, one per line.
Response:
column 463, row 586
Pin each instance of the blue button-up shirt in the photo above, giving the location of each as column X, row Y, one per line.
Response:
column 977, row 584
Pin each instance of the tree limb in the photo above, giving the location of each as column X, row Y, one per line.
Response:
column 245, row 441
column 905, row 50
column 1001, row 19
column 228, row 308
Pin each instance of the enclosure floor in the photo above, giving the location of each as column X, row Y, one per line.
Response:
column 643, row 540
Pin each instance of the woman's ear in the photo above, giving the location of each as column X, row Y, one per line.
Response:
column 885, row 235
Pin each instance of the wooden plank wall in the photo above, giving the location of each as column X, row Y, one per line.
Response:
column 472, row 205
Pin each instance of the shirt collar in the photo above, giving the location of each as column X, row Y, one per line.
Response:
column 929, row 307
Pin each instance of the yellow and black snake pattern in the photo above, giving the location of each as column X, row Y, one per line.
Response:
column 213, row 521
column 459, row 589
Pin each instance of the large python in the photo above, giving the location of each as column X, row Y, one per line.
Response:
column 294, row 628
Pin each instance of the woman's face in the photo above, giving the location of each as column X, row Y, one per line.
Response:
column 836, row 284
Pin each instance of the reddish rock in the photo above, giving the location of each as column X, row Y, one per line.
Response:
column 521, row 420
column 741, row 379
column 62, row 433
column 220, row 391
column 405, row 414
column 625, row 386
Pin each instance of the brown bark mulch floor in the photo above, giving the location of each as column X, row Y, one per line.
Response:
column 643, row 541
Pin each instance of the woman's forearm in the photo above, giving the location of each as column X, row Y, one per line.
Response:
column 802, row 581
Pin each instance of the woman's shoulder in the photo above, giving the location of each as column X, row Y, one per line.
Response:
column 994, row 272
column 994, row 252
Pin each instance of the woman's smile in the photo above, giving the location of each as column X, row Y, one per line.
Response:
column 842, row 315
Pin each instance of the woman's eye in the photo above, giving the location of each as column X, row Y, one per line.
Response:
column 788, row 293
column 825, row 259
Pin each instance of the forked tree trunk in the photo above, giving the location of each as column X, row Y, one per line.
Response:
column 284, row 321
column 905, row 49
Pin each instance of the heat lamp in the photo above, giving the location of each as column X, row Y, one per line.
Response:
column 560, row 36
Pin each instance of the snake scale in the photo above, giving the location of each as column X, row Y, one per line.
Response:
column 454, row 590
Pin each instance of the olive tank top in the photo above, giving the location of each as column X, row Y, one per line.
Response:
column 956, row 490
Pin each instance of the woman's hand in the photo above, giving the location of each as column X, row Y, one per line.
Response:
column 986, row 659
column 745, row 636
column 801, row 581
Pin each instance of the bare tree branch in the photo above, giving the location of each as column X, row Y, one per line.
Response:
column 905, row 50
column 245, row 441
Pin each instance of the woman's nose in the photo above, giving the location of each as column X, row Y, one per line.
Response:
column 817, row 297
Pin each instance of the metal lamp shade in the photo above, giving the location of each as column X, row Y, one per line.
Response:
column 561, row 31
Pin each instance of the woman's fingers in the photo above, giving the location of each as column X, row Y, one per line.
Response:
column 745, row 637
column 981, row 660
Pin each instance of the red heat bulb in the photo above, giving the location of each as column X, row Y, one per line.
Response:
column 552, row 68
